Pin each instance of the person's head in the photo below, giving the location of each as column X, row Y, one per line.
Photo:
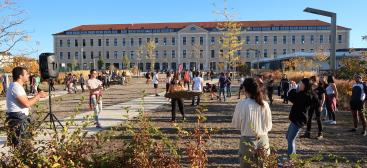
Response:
column 196, row 73
column 221, row 74
column 284, row 76
column 81, row 75
column 168, row 73
column 253, row 91
column 330, row 79
column 313, row 79
column 305, row 85
column 93, row 73
column 358, row 78
column 20, row 74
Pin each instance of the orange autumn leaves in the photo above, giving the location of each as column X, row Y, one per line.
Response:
column 30, row 63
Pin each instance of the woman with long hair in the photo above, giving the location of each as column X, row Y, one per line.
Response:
column 331, row 99
column 253, row 117
column 176, row 86
column 168, row 80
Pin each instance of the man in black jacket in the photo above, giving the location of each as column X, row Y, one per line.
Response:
column 284, row 87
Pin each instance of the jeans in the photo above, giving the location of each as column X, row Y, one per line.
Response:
column 97, row 107
column 292, row 133
column 229, row 93
column 247, row 144
column 222, row 91
column 17, row 124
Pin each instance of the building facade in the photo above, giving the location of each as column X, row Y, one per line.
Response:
column 194, row 45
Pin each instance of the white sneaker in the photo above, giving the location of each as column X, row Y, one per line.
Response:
column 333, row 123
column 327, row 121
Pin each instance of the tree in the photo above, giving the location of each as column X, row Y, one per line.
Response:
column 150, row 47
column 125, row 61
column 30, row 63
column 10, row 20
column 100, row 63
column 195, row 53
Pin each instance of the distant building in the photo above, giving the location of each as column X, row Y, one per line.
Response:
column 5, row 59
column 83, row 45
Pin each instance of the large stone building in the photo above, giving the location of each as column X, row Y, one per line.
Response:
column 190, row 44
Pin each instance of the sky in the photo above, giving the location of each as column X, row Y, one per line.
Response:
column 46, row 17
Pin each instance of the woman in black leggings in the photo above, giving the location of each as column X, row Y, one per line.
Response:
column 175, row 86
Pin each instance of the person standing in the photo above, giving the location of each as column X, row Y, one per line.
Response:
column 95, row 95
column 358, row 98
column 331, row 99
column 186, row 78
column 82, row 82
column 155, row 83
column 197, row 86
column 168, row 80
column 270, row 89
column 253, row 117
column 228, row 85
column 176, row 86
column 284, row 87
column 319, row 93
column 301, row 98
column 222, row 86
column 18, row 104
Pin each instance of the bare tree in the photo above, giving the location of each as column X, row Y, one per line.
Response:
column 10, row 33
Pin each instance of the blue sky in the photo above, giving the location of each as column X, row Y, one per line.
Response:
column 45, row 17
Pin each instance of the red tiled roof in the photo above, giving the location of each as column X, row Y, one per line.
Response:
column 180, row 25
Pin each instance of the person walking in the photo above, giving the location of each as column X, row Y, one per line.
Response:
column 252, row 116
column 331, row 99
column 270, row 89
column 222, row 86
column 228, row 85
column 357, row 100
column 301, row 98
column 176, row 86
column 95, row 95
column 168, row 80
column 197, row 86
column 18, row 104
column 82, row 82
column 319, row 92
column 155, row 83
column 284, row 87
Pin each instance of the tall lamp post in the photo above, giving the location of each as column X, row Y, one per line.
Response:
column 332, row 15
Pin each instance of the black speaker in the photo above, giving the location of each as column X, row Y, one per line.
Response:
column 48, row 66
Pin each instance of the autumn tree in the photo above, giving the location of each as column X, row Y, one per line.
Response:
column 150, row 47
column 30, row 63
column 125, row 61
column 100, row 63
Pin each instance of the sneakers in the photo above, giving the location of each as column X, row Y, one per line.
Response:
column 320, row 136
column 333, row 123
column 364, row 133
column 306, row 135
column 156, row 94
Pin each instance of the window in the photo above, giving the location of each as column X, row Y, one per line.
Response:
column 302, row 50
column 99, row 54
column 164, row 41
column 165, row 53
column 156, row 41
column 107, row 55
column 91, row 55
column 148, row 40
column 192, row 40
column 115, row 54
column 60, row 44
column 173, row 41
column 212, row 40
column 184, row 40
column 76, row 43
column 284, row 39
column 293, row 39
column 115, row 42
column 91, row 42
column 293, row 50
column 184, row 53
column 340, row 39
column 247, row 53
column 311, row 50
column 140, row 41
column 156, row 53
column 265, row 39
column 99, row 42
column 275, row 52
column 123, row 53
column 83, row 42
column 265, row 53
column 61, row 56
column 221, row 53
column 132, row 42
column 321, row 39
column 84, row 55
column 303, row 39
column 107, row 42
column 173, row 54
column 131, row 54
column 76, row 56
column 69, row 55
column 201, row 40
column 239, row 52
column 312, row 39
column 256, row 39
column 123, row 42
column 247, row 39
column 201, row 53
column 192, row 54
column 275, row 39
column 284, row 51
column 68, row 42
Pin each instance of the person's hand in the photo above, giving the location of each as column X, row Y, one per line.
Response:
column 42, row 94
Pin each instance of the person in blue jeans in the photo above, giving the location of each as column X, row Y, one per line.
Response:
column 302, row 100
column 222, row 86
column 228, row 85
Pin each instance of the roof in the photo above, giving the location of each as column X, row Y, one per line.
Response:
column 180, row 25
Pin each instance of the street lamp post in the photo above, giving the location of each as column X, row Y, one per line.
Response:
column 332, row 15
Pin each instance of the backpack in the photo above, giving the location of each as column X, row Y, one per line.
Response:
column 359, row 92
